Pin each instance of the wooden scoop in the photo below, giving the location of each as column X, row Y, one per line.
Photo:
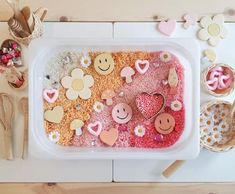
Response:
column 6, row 118
column 23, row 108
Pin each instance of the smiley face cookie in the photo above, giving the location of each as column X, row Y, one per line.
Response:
column 104, row 64
column 164, row 123
column 122, row 113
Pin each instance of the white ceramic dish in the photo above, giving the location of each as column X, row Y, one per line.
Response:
column 187, row 147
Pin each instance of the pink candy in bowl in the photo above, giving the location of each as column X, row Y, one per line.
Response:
column 219, row 80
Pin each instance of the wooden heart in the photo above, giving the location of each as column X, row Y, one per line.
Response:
column 150, row 105
column 109, row 137
column 55, row 115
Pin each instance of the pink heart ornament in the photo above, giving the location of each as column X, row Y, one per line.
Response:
column 95, row 128
column 167, row 27
column 141, row 66
column 50, row 95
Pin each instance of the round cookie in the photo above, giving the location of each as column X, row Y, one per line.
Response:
column 104, row 64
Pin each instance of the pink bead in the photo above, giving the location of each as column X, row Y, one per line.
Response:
column 14, row 45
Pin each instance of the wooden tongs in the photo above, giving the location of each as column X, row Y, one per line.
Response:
column 6, row 119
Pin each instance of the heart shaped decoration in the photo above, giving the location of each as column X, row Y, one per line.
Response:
column 50, row 95
column 55, row 115
column 167, row 27
column 95, row 128
column 150, row 105
column 141, row 66
column 109, row 137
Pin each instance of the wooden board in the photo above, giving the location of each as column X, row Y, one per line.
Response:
column 115, row 188
column 122, row 10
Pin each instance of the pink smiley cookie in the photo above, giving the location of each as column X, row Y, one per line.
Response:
column 122, row 113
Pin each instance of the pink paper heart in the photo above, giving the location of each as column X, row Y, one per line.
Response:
column 95, row 128
column 150, row 105
column 50, row 95
column 141, row 66
column 167, row 27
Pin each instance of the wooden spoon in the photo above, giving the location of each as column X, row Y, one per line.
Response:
column 23, row 108
column 28, row 17
column 6, row 118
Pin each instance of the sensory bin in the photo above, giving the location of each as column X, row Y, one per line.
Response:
column 117, row 99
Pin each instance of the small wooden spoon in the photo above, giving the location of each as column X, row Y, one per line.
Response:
column 23, row 108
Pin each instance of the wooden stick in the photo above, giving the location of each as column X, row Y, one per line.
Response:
column 172, row 168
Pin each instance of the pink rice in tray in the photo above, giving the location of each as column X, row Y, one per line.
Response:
column 151, row 81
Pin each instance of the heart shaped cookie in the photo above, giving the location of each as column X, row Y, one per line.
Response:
column 50, row 95
column 95, row 128
column 167, row 27
column 109, row 137
column 142, row 66
column 150, row 105
column 55, row 115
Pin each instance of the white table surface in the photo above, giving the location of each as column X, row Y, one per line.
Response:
column 208, row 166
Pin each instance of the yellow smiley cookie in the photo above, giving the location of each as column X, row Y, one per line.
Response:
column 104, row 64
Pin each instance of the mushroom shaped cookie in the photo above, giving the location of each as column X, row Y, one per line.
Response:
column 108, row 95
column 77, row 125
column 127, row 73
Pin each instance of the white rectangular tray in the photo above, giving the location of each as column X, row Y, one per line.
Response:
column 186, row 50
